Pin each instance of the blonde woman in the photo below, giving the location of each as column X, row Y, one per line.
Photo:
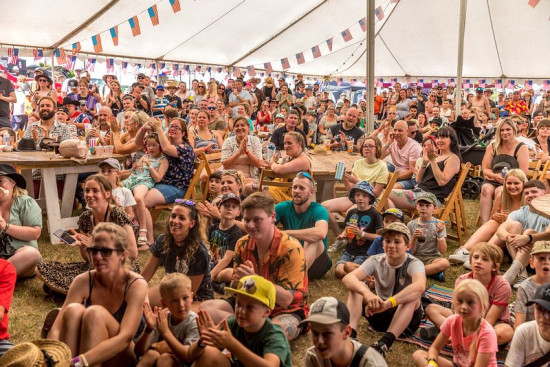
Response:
column 114, row 98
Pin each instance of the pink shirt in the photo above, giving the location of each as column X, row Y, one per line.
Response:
column 401, row 157
column 486, row 341
column 499, row 294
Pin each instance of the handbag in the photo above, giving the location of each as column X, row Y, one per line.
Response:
column 73, row 148
column 6, row 249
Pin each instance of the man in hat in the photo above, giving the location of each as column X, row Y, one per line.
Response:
column 306, row 221
column 481, row 103
column 76, row 118
column 160, row 103
column 531, row 342
column 7, row 96
column 147, row 91
column 47, row 126
column 331, row 336
column 516, row 106
column 141, row 100
column 300, row 91
column 260, row 96
column 72, row 86
column 173, row 99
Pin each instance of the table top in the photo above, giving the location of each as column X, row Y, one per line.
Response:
column 325, row 164
column 40, row 159
column 541, row 205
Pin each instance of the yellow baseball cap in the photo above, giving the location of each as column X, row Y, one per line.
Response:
column 257, row 287
column 541, row 247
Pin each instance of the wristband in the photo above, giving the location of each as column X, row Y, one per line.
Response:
column 84, row 361
column 76, row 362
column 530, row 237
column 432, row 362
column 392, row 301
column 5, row 230
column 149, row 330
column 199, row 344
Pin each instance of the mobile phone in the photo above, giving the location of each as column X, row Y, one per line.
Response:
column 65, row 237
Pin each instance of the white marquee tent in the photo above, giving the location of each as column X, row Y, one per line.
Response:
column 417, row 38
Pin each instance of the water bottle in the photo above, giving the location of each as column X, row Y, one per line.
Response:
column 504, row 172
column 7, row 138
column 270, row 151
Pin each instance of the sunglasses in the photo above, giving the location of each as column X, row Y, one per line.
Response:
column 105, row 252
column 42, row 80
column 185, row 202
column 211, row 108
column 174, row 127
column 306, row 175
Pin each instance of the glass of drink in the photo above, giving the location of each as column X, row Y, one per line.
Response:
column 327, row 145
column 350, row 234
column 422, row 238
column 349, row 145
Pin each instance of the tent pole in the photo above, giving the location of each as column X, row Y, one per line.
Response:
column 53, row 68
column 370, row 65
column 459, row 63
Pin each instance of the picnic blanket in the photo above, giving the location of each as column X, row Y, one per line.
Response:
column 444, row 296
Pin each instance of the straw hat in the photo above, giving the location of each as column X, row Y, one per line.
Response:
column 35, row 354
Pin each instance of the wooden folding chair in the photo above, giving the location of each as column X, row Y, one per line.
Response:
column 190, row 194
column 544, row 171
column 268, row 179
column 534, row 169
column 212, row 162
column 383, row 199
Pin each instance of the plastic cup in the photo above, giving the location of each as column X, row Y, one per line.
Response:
column 327, row 144
column 349, row 145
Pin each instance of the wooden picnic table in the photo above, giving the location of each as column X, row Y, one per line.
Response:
column 541, row 205
column 324, row 170
column 59, row 216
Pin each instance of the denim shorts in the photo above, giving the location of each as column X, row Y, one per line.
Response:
column 407, row 184
column 349, row 258
column 170, row 193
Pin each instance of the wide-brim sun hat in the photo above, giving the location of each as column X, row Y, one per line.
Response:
column 9, row 171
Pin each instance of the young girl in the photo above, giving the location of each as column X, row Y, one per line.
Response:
column 149, row 170
column 110, row 168
column 473, row 339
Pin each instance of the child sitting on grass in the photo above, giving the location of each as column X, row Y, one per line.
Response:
column 362, row 224
column 485, row 259
column 473, row 339
column 214, row 185
column 330, row 333
column 400, row 280
column 249, row 336
column 540, row 261
column 428, row 237
column 169, row 332
column 392, row 215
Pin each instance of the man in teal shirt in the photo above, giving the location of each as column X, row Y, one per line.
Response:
column 307, row 221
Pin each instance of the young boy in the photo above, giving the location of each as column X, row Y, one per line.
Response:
column 485, row 259
column 428, row 237
column 330, row 333
column 540, row 261
column 214, row 185
column 392, row 215
column 169, row 333
column 531, row 341
column 362, row 224
column 222, row 238
column 400, row 280
column 249, row 336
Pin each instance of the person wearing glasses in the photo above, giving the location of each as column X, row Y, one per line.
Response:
column 148, row 91
column 141, row 100
column 103, row 309
column 216, row 122
column 160, row 103
column 44, row 88
column 200, row 93
column 414, row 130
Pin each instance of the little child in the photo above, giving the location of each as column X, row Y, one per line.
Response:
column 223, row 237
column 330, row 333
column 214, row 185
column 473, row 339
column 169, row 332
column 150, row 169
column 249, row 336
column 392, row 215
column 362, row 224
column 428, row 237
column 111, row 168
column 540, row 261
column 485, row 259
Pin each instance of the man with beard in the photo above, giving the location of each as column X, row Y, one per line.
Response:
column 47, row 126
column 102, row 130
column 306, row 221
column 348, row 130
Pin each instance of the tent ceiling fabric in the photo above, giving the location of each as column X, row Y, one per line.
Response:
column 416, row 38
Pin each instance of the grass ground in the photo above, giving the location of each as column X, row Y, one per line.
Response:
column 30, row 303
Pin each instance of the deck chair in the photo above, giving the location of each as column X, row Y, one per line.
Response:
column 383, row 199
column 189, row 194
column 452, row 209
column 534, row 169
column 544, row 171
column 212, row 162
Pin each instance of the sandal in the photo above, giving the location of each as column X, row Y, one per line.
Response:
column 142, row 241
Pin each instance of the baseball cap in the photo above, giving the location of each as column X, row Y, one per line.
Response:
column 479, row 89
column 427, row 197
column 436, row 120
column 137, row 85
column 280, row 116
column 73, row 83
column 230, row 196
column 540, row 247
column 327, row 311
column 257, row 287
column 140, row 75
column 111, row 162
column 398, row 213
column 160, row 87
column 542, row 297
column 361, row 186
column 397, row 227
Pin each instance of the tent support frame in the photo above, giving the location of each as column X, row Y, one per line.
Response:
column 370, row 65
column 460, row 61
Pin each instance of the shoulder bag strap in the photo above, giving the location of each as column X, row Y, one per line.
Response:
column 358, row 356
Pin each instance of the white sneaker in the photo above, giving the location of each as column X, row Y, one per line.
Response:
column 467, row 265
column 460, row 256
column 337, row 245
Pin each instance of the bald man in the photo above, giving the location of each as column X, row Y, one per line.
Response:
column 102, row 130
column 404, row 154
column 347, row 131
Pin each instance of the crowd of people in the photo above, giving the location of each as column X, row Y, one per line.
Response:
column 238, row 263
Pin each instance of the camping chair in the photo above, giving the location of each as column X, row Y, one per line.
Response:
column 383, row 199
column 190, row 194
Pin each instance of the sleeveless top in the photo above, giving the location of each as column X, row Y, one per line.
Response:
column 505, row 160
column 201, row 143
column 429, row 183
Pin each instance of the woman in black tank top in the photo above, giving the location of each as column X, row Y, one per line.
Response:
column 100, row 330
column 506, row 151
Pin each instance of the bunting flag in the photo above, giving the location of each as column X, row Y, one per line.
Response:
column 316, row 51
column 546, row 83
column 466, row 83
column 75, row 48
column 498, row 83
column 90, row 65
column 451, row 81
column 236, row 72
column 511, row 84
column 379, row 82
column 268, row 68
column 528, row 84
column 208, row 69
column 134, row 24
column 420, row 82
column 114, row 35
column 13, row 55
column 250, row 70
column 70, row 63
column 533, row 3
column 285, row 64
column 198, row 68
column 434, row 82
column 175, row 69
column 379, row 12
column 300, row 58
column 329, row 43
column 60, row 56
column 482, row 83
column 154, row 14
column 138, row 66
column 346, row 35
column 110, row 65
column 96, row 40
column 363, row 24
column 175, row 5
column 394, row 1
column 219, row 69
column 124, row 66
column 186, row 68
column 162, row 65
column 37, row 53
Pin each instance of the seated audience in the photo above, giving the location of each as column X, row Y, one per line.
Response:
column 8, row 277
column 290, row 125
column 346, row 131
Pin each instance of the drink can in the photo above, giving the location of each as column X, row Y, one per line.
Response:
column 340, row 167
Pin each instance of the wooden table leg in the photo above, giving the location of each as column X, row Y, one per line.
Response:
column 69, row 189
column 53, row 212
column 325, row 190
column 27, row 174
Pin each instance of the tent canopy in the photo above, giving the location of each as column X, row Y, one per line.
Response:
column 416, row 38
